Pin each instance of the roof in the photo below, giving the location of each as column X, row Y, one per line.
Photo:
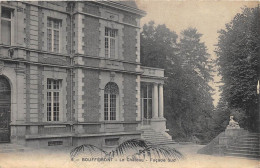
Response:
column 128, row 3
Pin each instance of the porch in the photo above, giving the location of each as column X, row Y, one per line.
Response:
column 153, row 123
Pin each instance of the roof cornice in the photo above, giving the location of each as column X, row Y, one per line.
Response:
column 114, row 4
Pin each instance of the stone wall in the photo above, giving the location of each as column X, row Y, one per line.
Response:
column 91, row 36
column 130, row 44
column 91, row 96
column 130, row 97
column 84, row 72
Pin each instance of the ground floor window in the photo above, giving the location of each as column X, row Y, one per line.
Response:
column 53, row 99
column 111, row 101
column 146, row 100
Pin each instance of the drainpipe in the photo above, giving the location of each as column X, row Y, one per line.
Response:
column 258, row 76
column 71, row 5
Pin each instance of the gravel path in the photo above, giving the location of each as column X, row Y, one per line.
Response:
column 59, row 158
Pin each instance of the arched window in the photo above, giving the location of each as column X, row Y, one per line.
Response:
column 110, row 101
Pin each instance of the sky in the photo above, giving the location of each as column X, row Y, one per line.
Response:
column 207, row 16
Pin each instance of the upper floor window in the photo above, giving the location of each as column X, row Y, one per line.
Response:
column 111, row 43
column 53, row 99
column 6, row 25
column 111, row 101
column 53, row 34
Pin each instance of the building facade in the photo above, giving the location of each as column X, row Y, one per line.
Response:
column 70, row 74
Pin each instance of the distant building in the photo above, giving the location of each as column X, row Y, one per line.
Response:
column 70, row 74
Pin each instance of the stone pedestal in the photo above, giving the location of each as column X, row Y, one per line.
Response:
column 158, row 124
column 234, row 132
column 231, row 135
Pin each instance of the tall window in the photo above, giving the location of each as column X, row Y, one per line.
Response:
column 53, row 34
column 110, row 101
column 6, row 25
column 146, row 100
column 110, row 43
column 53, row 99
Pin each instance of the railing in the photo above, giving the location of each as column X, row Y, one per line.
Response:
column 155, row 72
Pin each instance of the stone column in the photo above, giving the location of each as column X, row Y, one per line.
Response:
column 21, row 114
column 161, row 101
column 155, row 101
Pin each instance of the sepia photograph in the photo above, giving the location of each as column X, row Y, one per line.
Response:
column 130, row 84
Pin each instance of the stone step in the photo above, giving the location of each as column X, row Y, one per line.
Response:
column 239, row 141
column 251, row 146
column 237, row 154
column 162, row 142
column 244, row 148
column 156, row 140
column 11, row 150
column 257, row 152
column 155, row 137
column 249, row 136
column 247, row 142
column 9, row 147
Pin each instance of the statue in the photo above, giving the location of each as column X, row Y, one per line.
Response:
column 233, row 124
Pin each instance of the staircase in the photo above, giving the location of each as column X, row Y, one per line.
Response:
column 9, row 147
column 155, row 137
column 246, row 146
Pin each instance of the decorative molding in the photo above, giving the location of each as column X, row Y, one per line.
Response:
column 11, row 52
column 19, row 70
column 122, row 7
column 20, row 9
column 53, row 60
column 2, row 66
column 105, row 19
column 112, row 76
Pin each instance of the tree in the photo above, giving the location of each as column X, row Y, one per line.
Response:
column 157, row 45
column 186, row 90
column 196, row 100
column 238, row 58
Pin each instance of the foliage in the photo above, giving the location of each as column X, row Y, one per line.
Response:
column 188, row 101
column 238, row 60
column 89, row 150
column 130, row 147
column 133, row 148
column 156, row 45
column 220, row 117
column 196, row 94
column 162, row 152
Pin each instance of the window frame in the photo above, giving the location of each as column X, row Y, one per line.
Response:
column 108, row 38
column 110, row 111
column 53, row 29
column 111, row 104
column 147, row 98
column 52, row 90
column 6, row 19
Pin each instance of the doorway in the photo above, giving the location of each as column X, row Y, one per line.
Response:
column 5, row 110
